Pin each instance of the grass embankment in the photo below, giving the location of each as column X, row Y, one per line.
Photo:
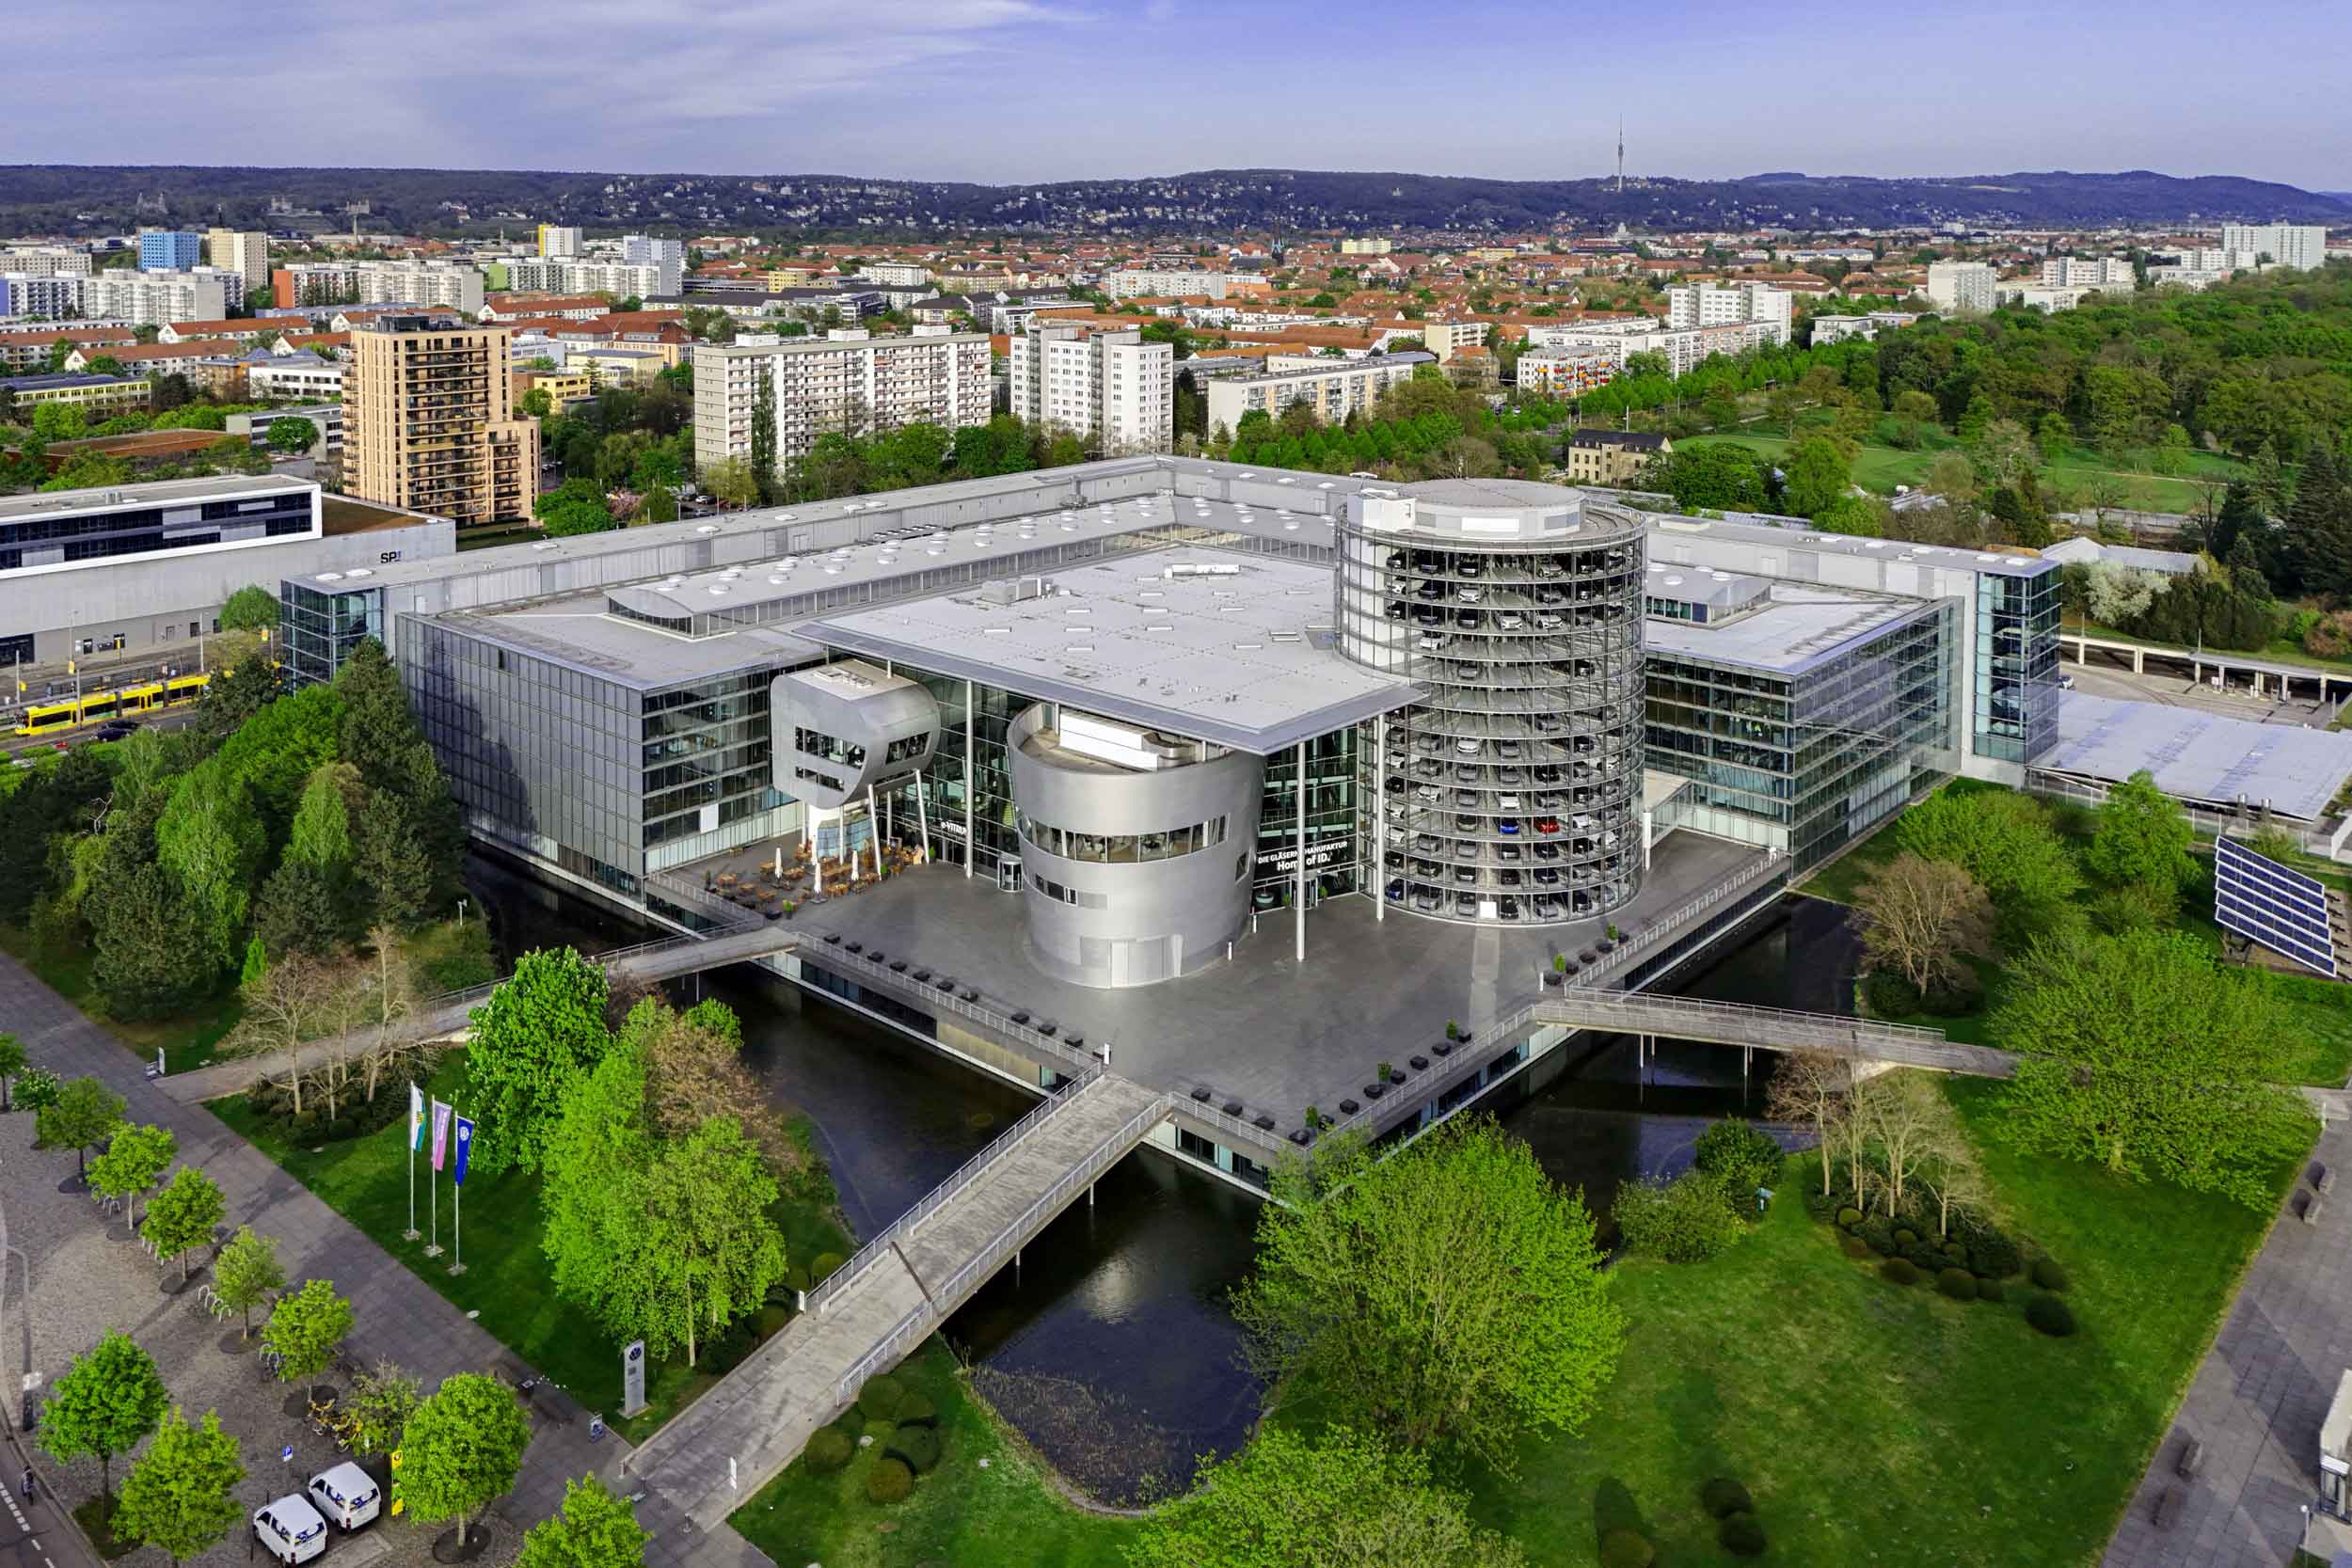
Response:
column 365, row 1180
column 1876, row 1422
column 186, row 1039
column 1882, row 468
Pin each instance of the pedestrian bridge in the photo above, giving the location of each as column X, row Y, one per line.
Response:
column 1685, row 1017
column 873, row 1311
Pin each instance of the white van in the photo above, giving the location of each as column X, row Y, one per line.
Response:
column 290, row 1530
column 346, row 1496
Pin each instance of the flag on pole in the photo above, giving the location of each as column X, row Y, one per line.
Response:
column 465, row 1146
column 440, row 1133
column 416, row 1119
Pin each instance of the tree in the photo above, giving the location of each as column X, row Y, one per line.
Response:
column 382, row 1399
column 181, row 1497
column 1337, row 1499
column 731, row 483
column 304, row 1328
column 2319, row 525
column 320, row 833
column 596, row 1530
column 2141, row 1052
column 2004, row 840
column 763, row 463
column 85, row 1114
column 2142, row 839
column 1817, row 476
column 106, row 1402
column 1900, row 1115
column 1451, row 1293
column 541, row 1029
column 135, row 1160
column 247, row 1273
column 211, row 839
column 183, row 1215
column 253, row 608
column 1925, row 919
column 463, row 1449
column 11, row 1063
column 1915, row 412
column 296, row 912
column 1811, row 1086
column 576, row 506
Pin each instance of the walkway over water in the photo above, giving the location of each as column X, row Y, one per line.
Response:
column 1685, row 1017
column 446, row 1016
column 874, row 1310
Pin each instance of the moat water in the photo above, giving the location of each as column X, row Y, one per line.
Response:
column 1121, row 1305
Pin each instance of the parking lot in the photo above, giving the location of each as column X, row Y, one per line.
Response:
column 2174, row 691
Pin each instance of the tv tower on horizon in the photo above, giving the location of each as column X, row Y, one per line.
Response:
column 1621, row 154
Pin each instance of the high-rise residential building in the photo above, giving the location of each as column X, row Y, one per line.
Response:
column 1717, row 304
column 1140, row 282
column 849, row 382
column 556, row 240
column 169, row 249
column 23, row 295
column 653, row 250
column 245, row 252
column 318, row 283
column 2088, row 272
column 1961, row 285
column 646, row 279
column 1111, row 387
column 897, row 274
column 154, row 298
column 46, row 261
column 429, row 422
column 2290, row 245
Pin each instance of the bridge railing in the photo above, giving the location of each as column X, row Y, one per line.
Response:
column 1630, row 1008
column 466, row 996
column 983, row 1011
column 965, row 1174
column 912, row 1329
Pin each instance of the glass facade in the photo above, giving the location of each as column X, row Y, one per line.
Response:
column 151, row 530
column 1808, row 759
column 1333, row 855
column 2016, row 674
column 318, row 628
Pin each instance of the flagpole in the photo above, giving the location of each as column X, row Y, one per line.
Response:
column 416, row 1136
column 433, row 1248
column 457, row 1199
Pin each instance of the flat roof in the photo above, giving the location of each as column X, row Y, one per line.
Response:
column 155, row 493
column 2200, row 756
column 1950, row 557
column 1209, row 643
column 1799, row 625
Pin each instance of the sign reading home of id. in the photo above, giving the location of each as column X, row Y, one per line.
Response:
column 634, row 1378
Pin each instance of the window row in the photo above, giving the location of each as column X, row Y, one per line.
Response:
column 1124, row 849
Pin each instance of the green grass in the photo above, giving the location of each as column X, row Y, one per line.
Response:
column 186, row 1039
column 1878, row 1423
column 505, row 1282
column 960, row 1514
column 1880, row 468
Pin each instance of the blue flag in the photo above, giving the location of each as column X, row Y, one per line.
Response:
column 465, row 1146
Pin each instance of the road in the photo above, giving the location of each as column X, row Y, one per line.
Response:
column 36, row 1534
column 2174, row 691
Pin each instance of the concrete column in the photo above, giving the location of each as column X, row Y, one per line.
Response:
column 1298, row 886
column 1380, row 819
column 2140, row 662
column 970, row 850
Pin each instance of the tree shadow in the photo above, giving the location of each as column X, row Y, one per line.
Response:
column 1614, row 1508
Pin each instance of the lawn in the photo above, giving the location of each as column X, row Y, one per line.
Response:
column 1881, row 468
column 1872, row 1419
column 506, row 1281
column 186, row 1039
column 989, row 1501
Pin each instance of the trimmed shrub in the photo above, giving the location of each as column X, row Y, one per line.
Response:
column 1625, row 1548
column 1848, row 1217
column 1990, row 1289
column 1991, row 1253
column 879, row 1400
column 2051, row 1315
column 1742, row 1157
column 2049, row 1275
column 1723, row 1497
column 1957, row 1250
column 821, row 1265
column 1899, row 1271
column 1879, row 1231
column 1926, row 1259
column 918, row 1448
column 917, row 1411
column 1687, row 1220
column 1856, row 1246
column 1906, row 1237
column 889, row 1481
column 829, row 1451
column 1741, row 1535
column 1958, row 1284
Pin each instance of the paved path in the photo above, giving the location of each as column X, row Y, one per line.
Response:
column 761, row 1415
column 447, row 1017
column 400, row 1317
column 1686, row 1018
column 2257, row 1402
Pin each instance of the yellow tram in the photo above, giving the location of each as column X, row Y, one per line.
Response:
column 96, row 707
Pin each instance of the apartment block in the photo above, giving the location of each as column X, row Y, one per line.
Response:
column 169, row 249
column 1836, row 329
column 2290, row 245
column 2038, row 296
column 1446, row 338
column 1960, row 285
column 645, row 279
column 1681, row 347
column 443, row 284
column 1564, row 372
column 46, row 261
column 653, row 250
column 154, row 298
column 1141, row 282
column 848, row 381
column 1334, row 389
column 2088, row 272
column 896, row 275
column 1112, row 388
column 295, row 376
column 429, row 422
column 558, row 240
column 1722, row 304
column 245, row 252
column 23, row 294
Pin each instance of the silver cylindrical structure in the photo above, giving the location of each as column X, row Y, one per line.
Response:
column 1511, row 795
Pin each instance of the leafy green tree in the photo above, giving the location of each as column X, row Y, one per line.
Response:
column 1337, row 1499
column 596, row 1530
column 135, row 1159
column 211, row 839
column 181, row 1497
column 540, row 1030
column 1451, row 1293
column 84, row 1115
column 248, row 1272
column 106, row 1403
column 765, row 471
column 304, row 1328
column 2319, row 525
column 2142, row 1054
column 2006, row 841
column 181, row 1216
column 1716, row 476
column 2142, row 838
column 149, row 957
column 320, row 833
column 730, row 482
column 298, row 913
column 1817, row 476
column 254, row 608
column 11, row 1063
column 463, row 1449
column 382, row 1399
column 576, row 506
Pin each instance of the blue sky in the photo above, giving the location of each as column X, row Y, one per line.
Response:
column 1011, row 90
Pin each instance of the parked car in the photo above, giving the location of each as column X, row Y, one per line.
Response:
column 289, row 1529
column 346, row 1496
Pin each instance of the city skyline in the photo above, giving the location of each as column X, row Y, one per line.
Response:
column 1021, row 91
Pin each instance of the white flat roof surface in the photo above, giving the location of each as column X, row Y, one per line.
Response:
column 1800, row 625
column 1231, row 659
column 2202, row 756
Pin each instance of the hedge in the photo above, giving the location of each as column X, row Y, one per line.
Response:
column 889, row 1481
column 880, row 1398
column 918, row 1448
column 829, row 1451
column 1899, row 1271
column 1958, row 1284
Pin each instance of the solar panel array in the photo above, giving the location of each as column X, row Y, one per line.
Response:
column 2264, row 902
